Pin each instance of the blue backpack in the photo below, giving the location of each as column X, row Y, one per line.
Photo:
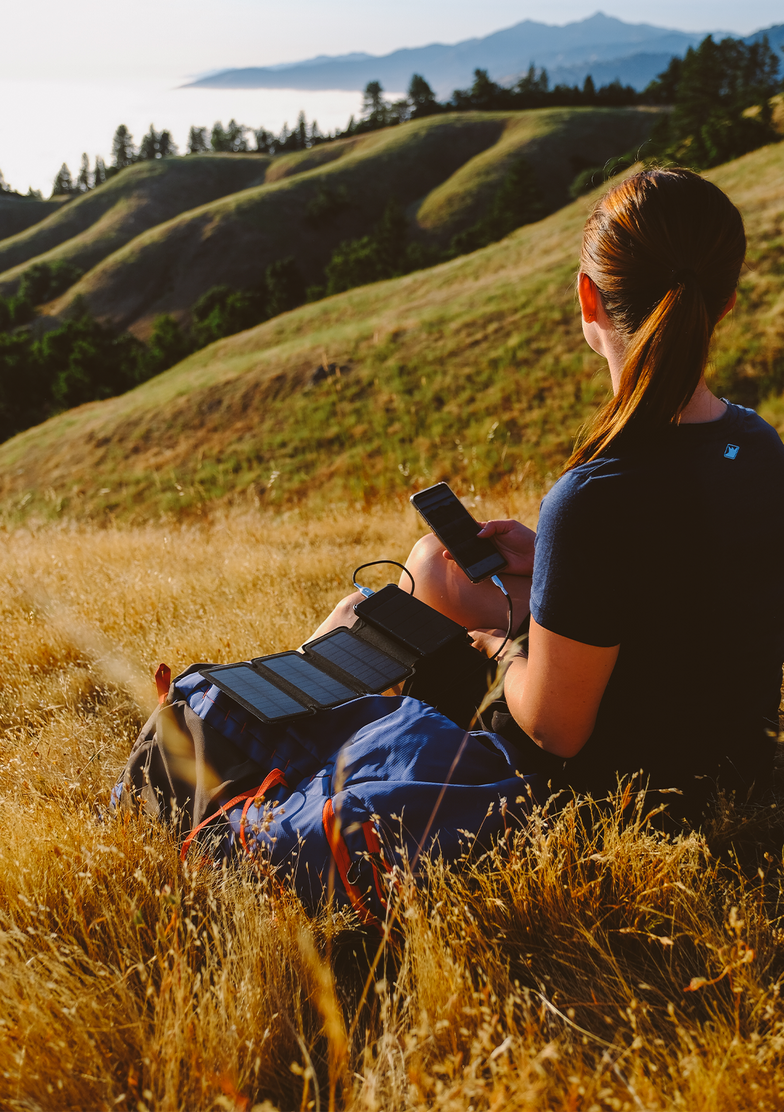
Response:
column 335, row 803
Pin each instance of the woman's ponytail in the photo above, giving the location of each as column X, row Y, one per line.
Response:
column 664, row 249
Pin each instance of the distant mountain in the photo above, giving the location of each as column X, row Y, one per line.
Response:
column 637, row 70
column 576, row 47
column 605, row 47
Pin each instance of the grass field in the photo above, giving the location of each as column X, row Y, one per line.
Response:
column 587, row 964
column 583, row 967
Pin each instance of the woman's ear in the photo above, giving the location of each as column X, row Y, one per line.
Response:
column 589, row 296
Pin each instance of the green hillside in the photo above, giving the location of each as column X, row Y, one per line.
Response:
column 312, row 201
column 18, row 213
column 557, row 142
column 85, row 230
column 474, row 370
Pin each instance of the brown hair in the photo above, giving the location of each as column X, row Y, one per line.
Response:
column 664, row 248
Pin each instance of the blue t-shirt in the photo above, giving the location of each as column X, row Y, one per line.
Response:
column 675, row 552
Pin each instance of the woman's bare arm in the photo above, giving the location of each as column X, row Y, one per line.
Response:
column 554, row 693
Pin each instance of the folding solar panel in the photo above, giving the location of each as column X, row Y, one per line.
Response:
column 377, row 653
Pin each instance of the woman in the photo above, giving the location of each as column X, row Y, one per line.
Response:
column 657, row 600
column 656, row 584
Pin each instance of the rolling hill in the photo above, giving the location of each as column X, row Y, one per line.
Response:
column 19, row 213
column 86, row 229
column 151, row 246
column 474, row 370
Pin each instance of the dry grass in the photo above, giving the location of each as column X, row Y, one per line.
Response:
column 585, row 965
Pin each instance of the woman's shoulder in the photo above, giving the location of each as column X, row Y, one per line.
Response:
column 589, row 495
column 748, row 422
column 600, row 478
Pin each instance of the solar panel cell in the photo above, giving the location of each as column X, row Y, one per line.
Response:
column 259, row 692
column 320, row 687
column 371, row 667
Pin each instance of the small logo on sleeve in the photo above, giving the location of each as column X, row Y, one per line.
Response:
column 731, row 451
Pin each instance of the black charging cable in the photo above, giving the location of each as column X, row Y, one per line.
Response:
column 499, row 584
column 366, row 591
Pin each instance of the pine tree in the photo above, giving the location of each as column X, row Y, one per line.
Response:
column 265, row 141
column 197, row 140
column 421, row 97
column 219, row 140
column 150, row 147
column 123, row 150
column 375, row 110
column 235, row 137
column 589, row 91
column 99, row 177
column 4, row 186
column 712, row 91
column 372, row 98
column 484, row 91
column 84, row 181
column 166, row 145
column 533, row 89
column 63, row 184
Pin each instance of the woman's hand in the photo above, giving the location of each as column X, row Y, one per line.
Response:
column 514, row 541
column 488, row 641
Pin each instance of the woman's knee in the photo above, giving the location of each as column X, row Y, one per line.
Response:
column 342, row 615
column 426, row 560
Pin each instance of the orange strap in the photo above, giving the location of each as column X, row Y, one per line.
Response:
column 162, row 681
column 275, row 777
column 343, row 861
column 374, row 849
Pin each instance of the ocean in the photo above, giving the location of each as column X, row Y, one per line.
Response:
column 46, row 123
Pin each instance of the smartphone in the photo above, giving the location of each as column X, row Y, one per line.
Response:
column 457, row 530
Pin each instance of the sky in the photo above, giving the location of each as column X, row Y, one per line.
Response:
column 71, row 72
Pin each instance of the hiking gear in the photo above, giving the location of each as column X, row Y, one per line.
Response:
column 334, row 803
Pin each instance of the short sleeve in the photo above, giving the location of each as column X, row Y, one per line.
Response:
column 581, row 563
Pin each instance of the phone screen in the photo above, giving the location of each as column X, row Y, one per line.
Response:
column 456, row 529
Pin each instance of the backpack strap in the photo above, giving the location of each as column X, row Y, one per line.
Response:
column 376, row 853
column 275, row 777
column 344, row 863
column 162, row 681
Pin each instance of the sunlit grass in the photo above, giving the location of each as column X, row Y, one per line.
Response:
column 587, row 963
